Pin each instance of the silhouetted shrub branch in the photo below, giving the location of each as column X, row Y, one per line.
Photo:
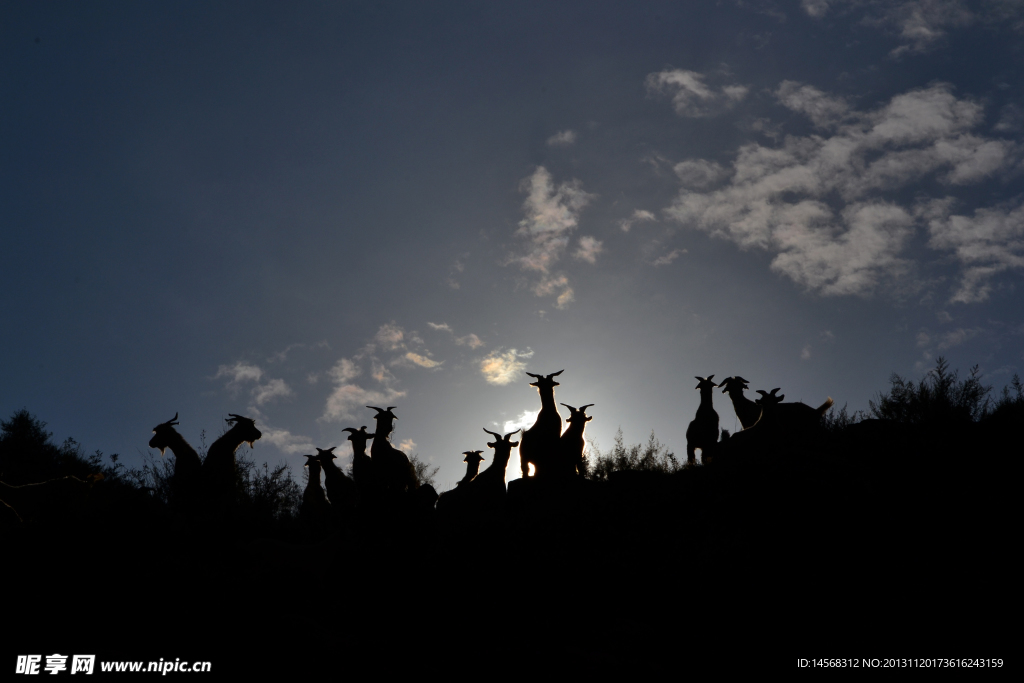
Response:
column 650, row 457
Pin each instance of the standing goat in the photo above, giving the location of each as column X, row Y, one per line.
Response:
column 362, row 465
column 340, row 489
column 703, row 431
column 391, row 467
column 490, row 484
column 747, row 411
column 188, row 467
column 314, row 501
column 457, row 496
column 571, row 444
column 219, row 466
column 540, row 442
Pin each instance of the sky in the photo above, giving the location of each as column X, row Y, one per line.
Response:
column 290, row 211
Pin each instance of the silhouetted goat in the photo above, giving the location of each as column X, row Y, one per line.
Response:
column 362, row 465
column 747, row 411
column 219, row 466
column 185, row 481
column 314, row 500
column 340, row 489
column 454, row 497
column 703, row 431
column 572, row 444
column 391, row 467
column 780, row 416
column 490, row 484
column 540, row 442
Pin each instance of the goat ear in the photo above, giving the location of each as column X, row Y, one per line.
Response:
column 513, row 443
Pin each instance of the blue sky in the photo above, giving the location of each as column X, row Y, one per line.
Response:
column 290, row 212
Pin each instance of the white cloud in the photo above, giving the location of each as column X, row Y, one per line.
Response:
column 502, row 367
column 407, row 445
column 562, row 139
column 439, row 326
column 344, row 370
column 987, row 243
column 238, row 373
column 551, row 214
column 815, row 8
column 691, row 97
column 668, row 258
column 390, row 337
column 588, row 249
column 920, row 24
column 639, row 216
column 287, row 442
column 822, row 109
column 470, row 340
column 417, row 359
column 349, row 400
column 805, row 353
column 699, row 174
column 525, row 420
column 271, row 390
column 807, row 200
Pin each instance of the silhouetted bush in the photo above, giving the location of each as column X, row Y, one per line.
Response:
column 424, row 473
column 650, row 457
column 27, row 455
column 265, row 494
column 939, row 397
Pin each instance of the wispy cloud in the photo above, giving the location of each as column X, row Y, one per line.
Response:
column 552, row 213
column 920, row 24
column 668, row 258
column 562, row 139
column 986, row 244
column 813, row 200
column 588, row 249
column 417, row 359
column 242, row 373
column 639, row 216
column 525, row 420
column 271, row 390
column 501, row 367
column 691, row 96
column 470, row 340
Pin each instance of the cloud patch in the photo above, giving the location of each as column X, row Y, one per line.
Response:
column 500, row 367
column 639, row 216
column 814, row 200
column 691, row 96
column 562, row 139
column 987, row 243
column 552, row 213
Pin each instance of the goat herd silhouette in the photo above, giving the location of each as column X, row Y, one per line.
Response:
column 385, row 477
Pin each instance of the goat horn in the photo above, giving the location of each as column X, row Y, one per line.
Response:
column 379, row 410
column 351, row 429
column 556, row 374
column 584, row 408
column 568, row 406
column 511, row 433
column 533, row 375
column 494, row 434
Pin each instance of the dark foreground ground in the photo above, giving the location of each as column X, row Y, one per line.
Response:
column 870, row 542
